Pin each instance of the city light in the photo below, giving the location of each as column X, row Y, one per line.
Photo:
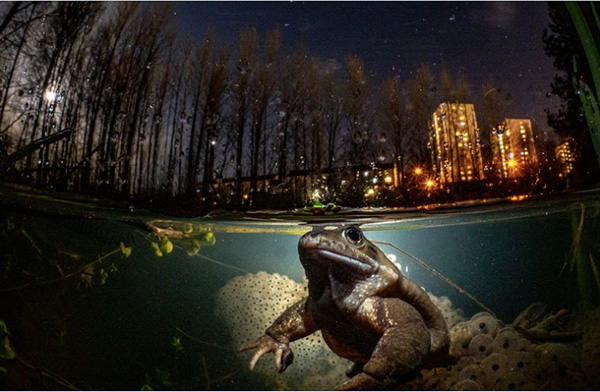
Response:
column 429, row 184
column 370, row 192
column 50, row 95
column 388, row 179
column 512, row 163
column 418, row 171
column 316, row 195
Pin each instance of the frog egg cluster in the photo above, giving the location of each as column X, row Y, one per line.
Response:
column 443, row 303
column 249, row 304
column 491, row 356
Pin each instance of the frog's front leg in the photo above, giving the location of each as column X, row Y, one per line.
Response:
column 402, row 348
column 293, row 324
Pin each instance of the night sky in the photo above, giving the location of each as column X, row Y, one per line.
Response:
column 487, row 42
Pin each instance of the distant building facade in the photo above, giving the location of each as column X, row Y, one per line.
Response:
column 513, row 148
column 566, row 155
column 455, row 144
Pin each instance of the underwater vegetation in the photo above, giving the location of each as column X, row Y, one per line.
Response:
column 584, row 255
column 56, row 282
column 589, row 100
column 47, row 276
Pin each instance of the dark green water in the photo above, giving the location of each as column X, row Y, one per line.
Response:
column 117, row 324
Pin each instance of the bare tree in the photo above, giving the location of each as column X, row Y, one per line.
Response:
column 422, row 99
column 241, row 94
column 262, row 90
column 394, row 122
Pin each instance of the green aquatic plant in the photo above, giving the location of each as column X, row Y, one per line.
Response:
column 319, row 208
column 124, row 249
column 159, row 382
column 177, row 344
column 84, row 274
column 589, row 101
column 169, row 235
column 580, row 260
column 6, row 351
column 166, row 245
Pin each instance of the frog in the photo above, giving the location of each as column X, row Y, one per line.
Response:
column 366, row 309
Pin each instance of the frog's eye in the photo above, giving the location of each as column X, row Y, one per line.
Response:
column 354, row 235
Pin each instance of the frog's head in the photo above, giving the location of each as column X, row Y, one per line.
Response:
column 345, row 260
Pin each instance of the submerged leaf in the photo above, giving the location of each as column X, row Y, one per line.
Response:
column 177, row 344
column 595, row 270
column 156, row 248
column 125, row 249
column 166, row 245
column 192, row 247
column 209, row 238
column 6, row 351
column 103, row 276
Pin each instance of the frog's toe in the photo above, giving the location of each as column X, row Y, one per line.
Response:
column 283, row 358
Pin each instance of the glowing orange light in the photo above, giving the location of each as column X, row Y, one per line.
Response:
column 418, row 171
column 518, row 197
column 245, row 197
column 512, row 163
column 429, row 183
column 388, row 179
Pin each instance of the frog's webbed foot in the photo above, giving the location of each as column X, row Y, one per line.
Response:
column 266, row 344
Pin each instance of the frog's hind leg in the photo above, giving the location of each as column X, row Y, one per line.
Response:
column 400, row 352
column 402, row 349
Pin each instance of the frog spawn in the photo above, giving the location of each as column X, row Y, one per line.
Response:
column 248, row 304
column 443, row 303
column 491, row 356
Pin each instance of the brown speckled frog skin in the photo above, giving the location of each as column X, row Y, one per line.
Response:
column 366, row 310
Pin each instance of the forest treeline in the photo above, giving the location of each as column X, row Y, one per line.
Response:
column 154, row 112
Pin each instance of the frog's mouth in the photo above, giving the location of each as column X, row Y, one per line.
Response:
column 354, row 264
